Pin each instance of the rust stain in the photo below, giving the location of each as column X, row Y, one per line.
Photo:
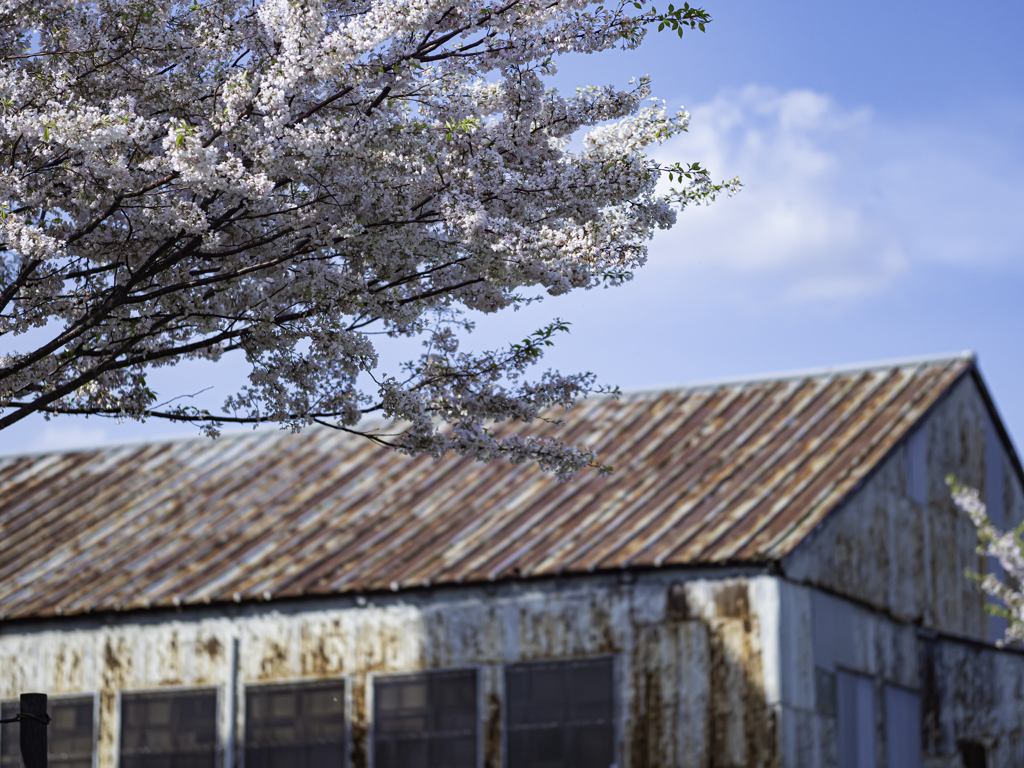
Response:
column 274, row 661
column 732, row 601
column 645, row 746
column 67, row 668
column 677, row 606
column 742, row 730
column 106, row 746
column 315, row 660
column 360, row 728
column 116, row 663
column 492, row 732
column 601, row 627
column 115, row 674
column 170, row 660
column 212, row 647
column 75, row 669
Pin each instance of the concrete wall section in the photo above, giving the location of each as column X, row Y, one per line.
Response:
column 689, row 656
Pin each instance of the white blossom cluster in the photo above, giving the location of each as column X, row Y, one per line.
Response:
column 283, row 179
column 1008, row 549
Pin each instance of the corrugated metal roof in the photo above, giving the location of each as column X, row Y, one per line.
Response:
column 722, row 473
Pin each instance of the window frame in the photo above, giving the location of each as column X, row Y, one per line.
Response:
column 220, row 743
column 95, row 696
column 242, row 713
column 617, row 698
column 371, row 705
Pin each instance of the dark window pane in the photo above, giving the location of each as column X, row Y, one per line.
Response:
column 169, row 729
column 560, row 714
column 287, row 726
column 972, row 754
column 425, row 721
column 69, row 735
column 10, row 733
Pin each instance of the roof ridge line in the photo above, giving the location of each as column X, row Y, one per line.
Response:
column 800, row 373
column 753, row 379
column 130, row 443
column 235, row 432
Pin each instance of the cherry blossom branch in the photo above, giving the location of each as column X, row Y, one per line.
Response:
column 1007, row 549
column 289, row 181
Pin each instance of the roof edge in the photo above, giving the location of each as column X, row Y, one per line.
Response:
column 129, row 443
column 997, row 420
column 268, row 429
column 800, row 373
column 359, row 598
column 237, row 432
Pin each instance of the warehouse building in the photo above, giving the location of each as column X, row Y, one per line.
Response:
column 773, row 575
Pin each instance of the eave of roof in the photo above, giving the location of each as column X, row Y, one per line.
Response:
column 712, row 474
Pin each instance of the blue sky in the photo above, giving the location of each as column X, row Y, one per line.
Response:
column 882, row 213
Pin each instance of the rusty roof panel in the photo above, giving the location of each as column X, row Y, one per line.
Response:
column 737, row 472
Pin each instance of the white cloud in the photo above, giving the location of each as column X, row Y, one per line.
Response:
column 836, row 204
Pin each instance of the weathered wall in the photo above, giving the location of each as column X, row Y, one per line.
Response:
column 971, row 693
column 968, row 691
column 693, row 656
column 824, row 633
column 906, row 558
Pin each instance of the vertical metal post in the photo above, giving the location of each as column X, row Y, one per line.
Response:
column 33, row 731
column 234, row 743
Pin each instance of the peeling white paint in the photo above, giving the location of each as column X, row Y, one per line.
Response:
column 687, row 683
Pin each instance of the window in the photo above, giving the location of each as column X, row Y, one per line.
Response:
column 169, row 729
column 902, row 727
column 425, row 721
column 855, row 700
column 972, row 754
column 69, row 735
column 560, row 714
column 295, row 725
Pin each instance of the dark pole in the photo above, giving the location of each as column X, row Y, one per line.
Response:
column 33, row 730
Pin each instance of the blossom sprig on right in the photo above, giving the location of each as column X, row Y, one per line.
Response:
column 1007, row 547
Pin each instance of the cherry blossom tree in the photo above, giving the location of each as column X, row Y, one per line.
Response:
column 293, row 180
column 1007, row 548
